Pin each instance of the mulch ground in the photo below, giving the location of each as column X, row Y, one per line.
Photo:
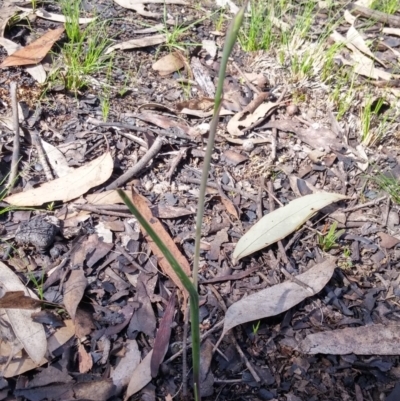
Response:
column 127, row 293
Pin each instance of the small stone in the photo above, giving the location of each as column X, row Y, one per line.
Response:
column 292, row 109
column 148, row 185
column 248, row 145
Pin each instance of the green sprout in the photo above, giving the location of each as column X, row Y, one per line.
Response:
column 328, row 241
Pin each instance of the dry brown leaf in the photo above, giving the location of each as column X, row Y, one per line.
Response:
column 35, row 52
column 29, row 333
column 18, row 300
column 21, row 363
column 162, row 121
column 141, row 204
column 163, row 335
column 36, row 71
column 68, row 187
column 387, row 241
column 85, row 360
column 140, row 377
column 376, row 339
column 138, row 43
column 203, row 103
column 230, row 207
column 74, row 288
column 250, row 114
column 168, row 64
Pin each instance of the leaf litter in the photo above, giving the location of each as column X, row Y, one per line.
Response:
column 120, row 297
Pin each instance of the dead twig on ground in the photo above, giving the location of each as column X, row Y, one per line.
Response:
column 41, row 155
column 379, row 16
column 15, row 156
column 139, row 166
column 227, row 188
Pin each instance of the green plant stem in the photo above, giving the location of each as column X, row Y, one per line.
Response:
column 229, row 43
column 185, row 280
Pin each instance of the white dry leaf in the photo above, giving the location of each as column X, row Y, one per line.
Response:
column 362, row 64
column 103, row 232
column 29, row 333
column 126, row 365
column 57, row 160
column 244, row 120
column 365, row 3
column 141, row 376
column 69, row 187
column 391, row 31
column 37, row 71
column 168, row 64
column 365, row 66
column 376, row 339
column 138, row 43
column 281, row 222
column 210, row 47
column 139, row 6
column 232, row 6
column 21, row 363
column 354, row 37
column 280, row 297
column 60, row 18
column 349, row 17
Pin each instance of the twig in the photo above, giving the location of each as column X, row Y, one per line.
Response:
column 260, row 199
column 189, row 345
column 15, row 156
column 174, row 164
column 227, row 188
column 379, row 16
column 94, row 209
column 139, row 166
column 162, row 132
column 229, row 277
column 130, row 259
column 41, row 155
column 363, row 205
column 233, row 338
column 248, row 83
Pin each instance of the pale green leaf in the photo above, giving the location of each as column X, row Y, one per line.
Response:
column 282, row 222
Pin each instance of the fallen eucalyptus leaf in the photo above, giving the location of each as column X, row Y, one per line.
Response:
column 69, row 187
column 140, row 377
column 37, row 72
column 30, row 334
column 376, row 339
column 279, row 298
column 137, row 43
column 281, row 222
column 139, row 6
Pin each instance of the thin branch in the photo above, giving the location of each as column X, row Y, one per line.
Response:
column 139, row 166
column 15, row 156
